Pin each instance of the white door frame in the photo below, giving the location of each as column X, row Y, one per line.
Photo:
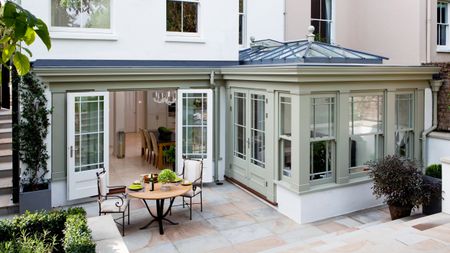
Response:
column 208, row 162
column 84, row 184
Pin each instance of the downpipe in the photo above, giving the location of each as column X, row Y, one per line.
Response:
column 435, row 86
column 216, row 132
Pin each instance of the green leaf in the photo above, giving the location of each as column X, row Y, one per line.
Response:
column 28, row 51
column 42, row 32
column 8, row 52
column 4, row 39
column 9, row 13
column 22, row 63
column 20, row 26
column 30, row 36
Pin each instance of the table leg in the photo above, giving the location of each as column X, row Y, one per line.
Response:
column 160, row 214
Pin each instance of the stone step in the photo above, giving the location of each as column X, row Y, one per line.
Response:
column 7, row 206
column 5, row 156
column 6, row 143
column 5, row 133
column 5, row 169
column 5, row 114
column 6, row 123
column 6, row 185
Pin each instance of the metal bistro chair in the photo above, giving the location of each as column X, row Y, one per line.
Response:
column 193, row 171
column 108, row 203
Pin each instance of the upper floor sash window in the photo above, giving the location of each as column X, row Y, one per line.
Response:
column 442, row 24
column 94, row 14
column 321, row 19
column 182, row 16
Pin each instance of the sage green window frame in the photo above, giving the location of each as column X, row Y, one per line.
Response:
column 284, row 139
column 329, row 141
column 241, row 154
column 361, row 170
column 407, row 131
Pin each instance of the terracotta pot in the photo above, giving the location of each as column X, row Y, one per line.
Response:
column 398, row 212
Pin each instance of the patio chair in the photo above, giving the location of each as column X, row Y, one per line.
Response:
column 150, row 149
column 193, row 171
column 143, row 142
column 108, row 203
column 156, row 153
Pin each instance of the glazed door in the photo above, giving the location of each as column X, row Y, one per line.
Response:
column 248, row 109
column 194, row 129
column 87, row 142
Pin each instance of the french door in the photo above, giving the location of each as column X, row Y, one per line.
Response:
column 248, row 109
column 87, row 142
column 194, row 129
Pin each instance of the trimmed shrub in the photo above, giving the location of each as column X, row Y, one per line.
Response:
column 434, row 170
column 78, row 237
column 46, row 230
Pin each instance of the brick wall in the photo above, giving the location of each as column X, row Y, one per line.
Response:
column 443, row 111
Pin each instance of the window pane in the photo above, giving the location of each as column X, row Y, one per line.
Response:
column 285, row 157
column 285, row 116
column 404, row 143
column 366, row 114
column 241, row 20
column 315, row 9
column 241, row 6
column 404, row 111
column 173, row 18
column 189, row 17
column 65, row 17
column 239, row 125
column 363, row 149
column 321, row 160
column 322, row 117
column 257, row 129
column 322, row 30
column 85, row 14
column 325, row 9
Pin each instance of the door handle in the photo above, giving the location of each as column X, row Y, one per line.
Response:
column 71, row 151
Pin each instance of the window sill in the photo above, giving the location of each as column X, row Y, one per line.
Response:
column 323, row 187
column 82, row 36
column 184, row 38
column 442, row 49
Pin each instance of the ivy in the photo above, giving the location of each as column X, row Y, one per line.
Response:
column 32, row 131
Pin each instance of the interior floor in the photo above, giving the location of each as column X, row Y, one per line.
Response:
column 126, row 170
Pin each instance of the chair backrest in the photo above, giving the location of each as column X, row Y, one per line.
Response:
column 143, row 141
column 101, row 185
column 147, row 139
column 154, row 143
column 193, row 170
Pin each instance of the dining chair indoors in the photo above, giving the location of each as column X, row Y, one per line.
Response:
column 112, row 203
column 150, row 150
column 143, row 142
column 193, row 172
column 156, row 153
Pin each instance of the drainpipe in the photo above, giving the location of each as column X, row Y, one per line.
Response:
column 435, row 85
column 216, row 131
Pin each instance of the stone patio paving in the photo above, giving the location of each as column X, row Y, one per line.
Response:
column 232, row 221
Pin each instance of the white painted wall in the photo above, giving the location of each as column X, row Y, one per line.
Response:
column 139, row 33
column 446, row 184
column 438, row 144
column 265, row 20
column 306, row 208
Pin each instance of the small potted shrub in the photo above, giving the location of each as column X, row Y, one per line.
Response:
column 165, row 177
column 169, row 155
column 399, row 181
column 432, row 183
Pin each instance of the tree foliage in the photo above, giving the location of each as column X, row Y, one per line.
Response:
column 18, row 26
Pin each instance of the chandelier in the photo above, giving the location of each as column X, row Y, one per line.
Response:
column 169, row 97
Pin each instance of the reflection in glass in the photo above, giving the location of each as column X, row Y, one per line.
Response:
column 285, row 157
column 257, row 130
column 322, row 153
column 366, row 115
column 194, row 125
column 82, row 14
column 285, row 116
column 322, row 117
column 239, row 125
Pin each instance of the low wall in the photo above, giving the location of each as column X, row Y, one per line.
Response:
column 446, row 184
column 323, row 204
column 438, row 146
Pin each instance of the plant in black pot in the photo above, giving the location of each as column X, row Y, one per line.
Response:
column 432, row 183
column 165, row 133
column 32, row 131
column 399, row 181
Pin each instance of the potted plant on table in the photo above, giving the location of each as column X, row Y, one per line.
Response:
column 32, row 130
column 432, row 183
column 400, row 182
column 165, row 177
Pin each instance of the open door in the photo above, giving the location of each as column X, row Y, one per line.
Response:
column 194, row 129
column 87, row 142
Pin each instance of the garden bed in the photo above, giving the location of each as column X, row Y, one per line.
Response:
column 54, row 231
